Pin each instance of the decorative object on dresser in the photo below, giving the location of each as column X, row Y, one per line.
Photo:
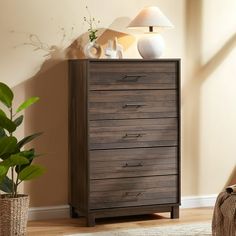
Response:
column 114, row 50
column 124, row 137
column 92, row 49
column 152, row 44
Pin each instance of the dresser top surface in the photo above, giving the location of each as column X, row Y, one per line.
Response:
column 127, row 60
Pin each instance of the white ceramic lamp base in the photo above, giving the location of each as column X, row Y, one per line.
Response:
column 151, row 46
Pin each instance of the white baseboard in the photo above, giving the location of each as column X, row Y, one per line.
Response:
column 198, row 201
column 63, row 211
column 50, row 212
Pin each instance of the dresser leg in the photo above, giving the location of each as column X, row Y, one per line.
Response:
column 73, row 213
column 174, row 212
column 90, row 221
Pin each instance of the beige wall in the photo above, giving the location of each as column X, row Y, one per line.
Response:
column 203, row 37
column 208, row 95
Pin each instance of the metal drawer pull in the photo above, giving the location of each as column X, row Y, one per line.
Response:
column 132, row 194
column 136, row 165
column 133, row 135
column 133, row 105
column 132, row 78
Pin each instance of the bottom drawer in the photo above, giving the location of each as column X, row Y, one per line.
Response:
column 138, row 191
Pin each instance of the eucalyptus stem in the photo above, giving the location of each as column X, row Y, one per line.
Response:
column 91, row 21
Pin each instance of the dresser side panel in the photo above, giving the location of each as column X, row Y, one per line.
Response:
column 78, row 133
column 178, row 105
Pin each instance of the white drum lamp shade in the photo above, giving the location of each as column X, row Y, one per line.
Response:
column 151, row 45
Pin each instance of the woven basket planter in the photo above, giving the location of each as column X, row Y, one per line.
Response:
column 13, row 215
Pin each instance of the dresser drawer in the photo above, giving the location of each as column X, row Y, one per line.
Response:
column 133, row 191
column 132, row 75
column 108, row 134
column 132, row 104
column 120, row 163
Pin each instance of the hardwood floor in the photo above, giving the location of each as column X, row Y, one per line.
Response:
column 70, row 226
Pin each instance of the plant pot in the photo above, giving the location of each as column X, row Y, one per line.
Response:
column 13, row 215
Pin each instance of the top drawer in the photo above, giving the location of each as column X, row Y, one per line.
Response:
column 132, row 75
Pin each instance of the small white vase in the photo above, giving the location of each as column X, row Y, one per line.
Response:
column 92, row 50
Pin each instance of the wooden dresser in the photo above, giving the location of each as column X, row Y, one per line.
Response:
column 124, row 137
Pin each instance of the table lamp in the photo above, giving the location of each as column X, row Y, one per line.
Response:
column 151, row 45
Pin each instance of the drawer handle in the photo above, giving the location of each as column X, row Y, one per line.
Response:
column 133, row 105
column 136, row 165
column 131, row 78
column 127, row 136
column 132, row 194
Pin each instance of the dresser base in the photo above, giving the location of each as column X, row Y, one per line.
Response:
column 127, row 211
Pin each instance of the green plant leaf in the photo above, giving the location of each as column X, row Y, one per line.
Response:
column 2, row 133
column 28, row 139
column 27, row 103
column 6, row 95
column 7, row 123
column 3, row 172
column 31, row 172
column 7, row 145
column 14, row 160
column 2, row 113
column 30, row 155
column 6, row 185
column 18, row 120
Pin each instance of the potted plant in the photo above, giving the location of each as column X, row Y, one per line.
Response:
column 15, row 165
column 92, row 49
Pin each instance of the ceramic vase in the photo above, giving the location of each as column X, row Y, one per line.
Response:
column 92, row 50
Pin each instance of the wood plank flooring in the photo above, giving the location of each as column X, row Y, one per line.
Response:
column 70, row 226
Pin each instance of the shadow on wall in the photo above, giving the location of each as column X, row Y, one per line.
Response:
column 50, row 116
column 197, row 73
